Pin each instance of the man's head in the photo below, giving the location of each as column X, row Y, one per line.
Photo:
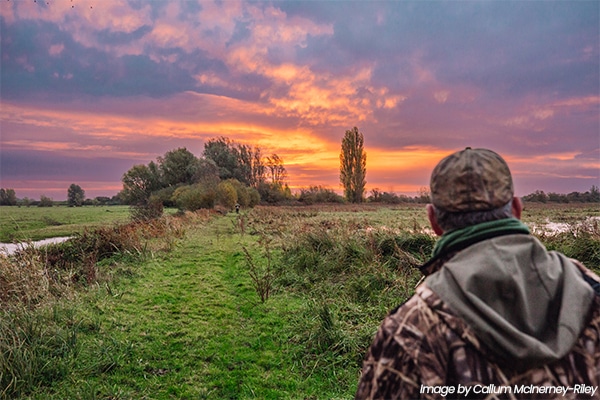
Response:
column 471, row 186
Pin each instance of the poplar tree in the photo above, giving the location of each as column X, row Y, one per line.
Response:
column 353, row 166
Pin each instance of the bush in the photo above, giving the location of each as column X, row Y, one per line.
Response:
column 319, row 194
column 148, row 210
column 226, row 195
column 253, row 197
column 273, row 193
column 45, row 201
column 192, row 198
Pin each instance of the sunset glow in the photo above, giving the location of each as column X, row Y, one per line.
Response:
column 91, row 88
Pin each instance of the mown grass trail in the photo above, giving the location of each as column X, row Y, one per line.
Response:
column 190, row 325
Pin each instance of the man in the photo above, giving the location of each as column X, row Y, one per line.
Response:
column 498, row 316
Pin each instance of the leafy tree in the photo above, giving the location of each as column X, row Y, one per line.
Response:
column 101, row 200
column 225, row 155
column 8, row 197
column 319, row 194
column 353, row 165
column 206, row 173
column 75, row 195
column 236, row 161
column 273, row 193
column 139, row 183
column 45, row 201
column 538, row 196
column 177, row 166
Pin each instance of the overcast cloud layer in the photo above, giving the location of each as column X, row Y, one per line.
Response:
column 90, row 88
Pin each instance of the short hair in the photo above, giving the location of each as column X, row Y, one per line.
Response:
column 450, row 221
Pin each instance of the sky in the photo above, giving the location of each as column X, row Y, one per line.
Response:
column 90, row 88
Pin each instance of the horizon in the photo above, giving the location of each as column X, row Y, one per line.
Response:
column 91, row 88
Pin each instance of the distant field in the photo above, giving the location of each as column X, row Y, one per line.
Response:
column 35, row 223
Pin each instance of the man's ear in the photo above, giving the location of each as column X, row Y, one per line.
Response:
column 517, row 207
column 433, row 220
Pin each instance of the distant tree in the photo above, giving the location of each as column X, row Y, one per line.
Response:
column 423, row 195
column 594, row 194
column 319, row 194
column 102, row 200
column 8, row 197
column 236, row 161
column 538, row 196
column 225, row 155
column 277, row 171
column 378, row 196
column 75, row 195
column 139, row 183
column 353, row 166
column 45, row 201
column 177, row 166
column 206, row 173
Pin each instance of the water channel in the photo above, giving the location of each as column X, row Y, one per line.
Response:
column 11, row 248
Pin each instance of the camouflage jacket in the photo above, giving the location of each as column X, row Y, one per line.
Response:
column 423, row 351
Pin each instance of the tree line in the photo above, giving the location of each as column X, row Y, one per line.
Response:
column 229, row 173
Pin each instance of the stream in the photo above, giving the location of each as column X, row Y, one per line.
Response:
column 11, row 248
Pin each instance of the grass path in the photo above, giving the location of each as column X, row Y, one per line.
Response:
column 191, row 326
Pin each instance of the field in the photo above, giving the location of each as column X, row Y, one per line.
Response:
column 277, row 302
column 35, row 223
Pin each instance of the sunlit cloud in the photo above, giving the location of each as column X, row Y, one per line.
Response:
column 128, row 81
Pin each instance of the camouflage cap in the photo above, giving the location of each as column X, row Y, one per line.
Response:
column 471, row 180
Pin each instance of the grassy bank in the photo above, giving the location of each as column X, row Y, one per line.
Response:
column 183, row 316
column 34, row 223
column 18, row 224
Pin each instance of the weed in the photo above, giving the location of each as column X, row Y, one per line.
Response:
column 262, row 276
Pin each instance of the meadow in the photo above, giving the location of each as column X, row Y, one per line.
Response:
column 276, row 302
column 35, row 223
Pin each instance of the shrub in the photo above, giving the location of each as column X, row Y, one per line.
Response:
column 243, row 196
column 192, row 198
column 45, row 201
column 253, row 197
column 147, row 210
column 226, row 195
column 319, row 194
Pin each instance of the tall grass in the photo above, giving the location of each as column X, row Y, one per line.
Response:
column 36, row 348
column 350, row 273
column 581, row 241
column 38, row 333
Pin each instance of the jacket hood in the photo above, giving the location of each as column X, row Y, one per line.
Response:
column 524, row 302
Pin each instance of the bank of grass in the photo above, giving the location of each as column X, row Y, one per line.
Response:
column 35, row 223
column 184, row 319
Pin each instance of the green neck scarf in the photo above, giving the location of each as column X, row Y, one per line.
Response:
column 462, row 238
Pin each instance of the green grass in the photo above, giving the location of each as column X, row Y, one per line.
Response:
column 34, row 223
column 18, row 224
column 189, row 323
